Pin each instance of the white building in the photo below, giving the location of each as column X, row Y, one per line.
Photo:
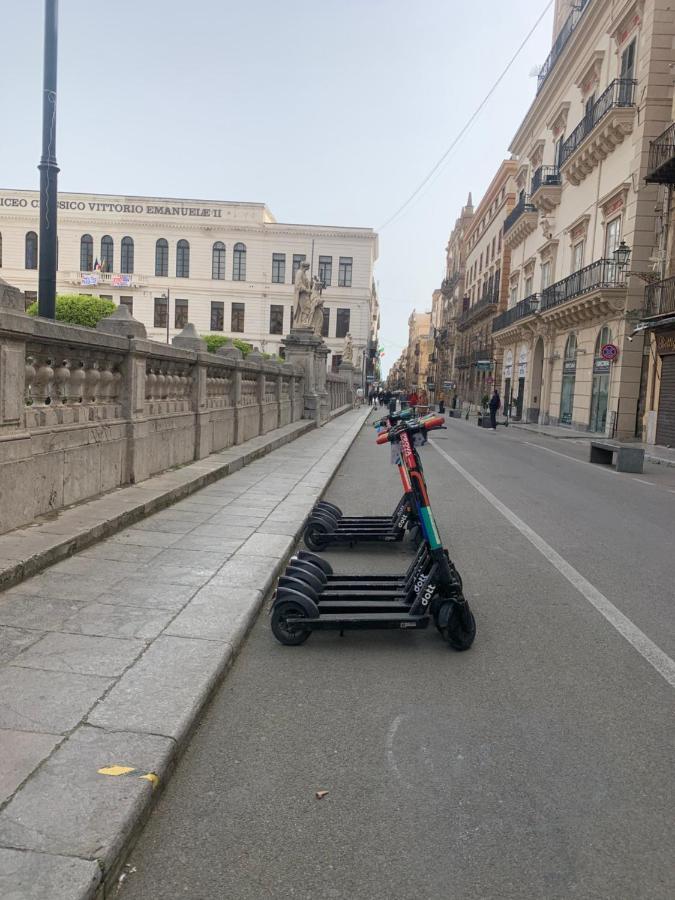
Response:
column 226, row 267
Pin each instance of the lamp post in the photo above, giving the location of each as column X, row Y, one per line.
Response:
column 48, row 168
column 167, row 296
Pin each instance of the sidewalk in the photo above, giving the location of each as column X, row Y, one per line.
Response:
column 664, row 456
column 109, row 657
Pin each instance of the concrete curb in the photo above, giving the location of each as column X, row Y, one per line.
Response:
column 121, row 508
column 68, row 830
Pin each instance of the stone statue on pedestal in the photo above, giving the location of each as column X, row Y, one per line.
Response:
column 317, row 305
column 302, row 309
column 348, row 352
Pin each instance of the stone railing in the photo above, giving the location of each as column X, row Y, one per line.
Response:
column 339, row 391
column 84, row 411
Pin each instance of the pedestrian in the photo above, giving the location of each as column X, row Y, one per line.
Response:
column 391, row 404
column 495, row 404
column 413, row 400
column 380, row 397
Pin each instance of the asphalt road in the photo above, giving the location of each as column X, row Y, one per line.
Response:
column 537, row 765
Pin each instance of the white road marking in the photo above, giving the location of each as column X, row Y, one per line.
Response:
column 660, row 661
column 564, row 455
column 389, row 748
column 642, row 481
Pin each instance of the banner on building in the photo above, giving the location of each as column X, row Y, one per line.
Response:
column 121, row 281
column 90, row 279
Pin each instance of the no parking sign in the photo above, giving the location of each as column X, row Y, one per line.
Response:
column 609, row 352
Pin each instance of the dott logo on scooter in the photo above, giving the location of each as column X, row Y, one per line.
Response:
column 428, row 594
column 403, row 521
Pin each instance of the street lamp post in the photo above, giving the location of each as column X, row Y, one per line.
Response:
column 48, row 168
column 167, row 296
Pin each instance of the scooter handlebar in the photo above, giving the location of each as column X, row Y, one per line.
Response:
column 382, row 438
column 434, row 422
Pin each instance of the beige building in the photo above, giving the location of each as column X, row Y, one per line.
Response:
column 583, row 150
column 226, row 267
column 420, row 346
column 487, row 267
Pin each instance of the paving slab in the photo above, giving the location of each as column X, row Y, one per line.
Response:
column 53, row 702
column 37, row 613
column 34, row 876
column 276, row 545
column 218, row 614
column 14, row 640
column 81, row 653
column 110, row 620
column 166, row 689
column 138, row 591
column 22, row 752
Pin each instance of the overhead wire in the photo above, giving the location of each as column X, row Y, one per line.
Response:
column 468, row 123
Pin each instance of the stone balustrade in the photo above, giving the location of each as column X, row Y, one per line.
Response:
column 83, row 410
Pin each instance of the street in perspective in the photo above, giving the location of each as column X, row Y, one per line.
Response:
column 336, row 559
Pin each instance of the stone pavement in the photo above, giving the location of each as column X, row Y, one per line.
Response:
column 108, row 658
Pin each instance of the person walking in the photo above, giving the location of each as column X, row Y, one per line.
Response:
column 495, row 404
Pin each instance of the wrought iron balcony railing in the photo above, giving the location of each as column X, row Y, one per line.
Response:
column 620, row 93
column 521, row 310
column 661, row 166
column 487, row 301
column 522, row 206
column 603, row 273
column 660, row 298
column 545, row 176
column 561, row 40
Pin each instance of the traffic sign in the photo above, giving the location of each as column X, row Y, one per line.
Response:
column 609, row 351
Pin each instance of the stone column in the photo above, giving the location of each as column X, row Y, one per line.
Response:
column 321, row 354
column 188, row 339
column 301, row 345
column 346, row 369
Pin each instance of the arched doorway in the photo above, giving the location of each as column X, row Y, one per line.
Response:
column 535, row 384
column 600, row 389
column 569, row 377
column 508, row 381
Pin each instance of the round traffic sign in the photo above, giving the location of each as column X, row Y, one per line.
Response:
column 609, row 351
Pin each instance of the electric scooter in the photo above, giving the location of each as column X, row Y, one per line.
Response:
column 432, row 587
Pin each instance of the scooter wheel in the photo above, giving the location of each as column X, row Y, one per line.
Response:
column 331, row 507
column 285, row 633
column 316, row 536
column 457, row 625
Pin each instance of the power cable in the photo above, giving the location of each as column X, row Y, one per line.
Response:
column 470, row 121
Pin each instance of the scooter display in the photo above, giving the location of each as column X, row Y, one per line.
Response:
column 327, row 525
column 311, row 597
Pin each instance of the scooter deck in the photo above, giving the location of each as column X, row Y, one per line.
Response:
column 353, row 622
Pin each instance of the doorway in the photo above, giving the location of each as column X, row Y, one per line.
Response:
column 569, row 377
column 600, row 386
column 537, row 377
column 519, row 399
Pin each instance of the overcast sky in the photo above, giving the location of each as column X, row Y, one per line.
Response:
column 329, row 111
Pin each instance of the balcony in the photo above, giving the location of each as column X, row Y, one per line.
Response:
column 604, row 126
column 524, row 308
column 107, row 279
column 661, row 167
column 463, row 361
column 660, row 298
column 546, row 188
column 585, row 295
column 521, row 221
column 560, row 42
column 449, row 284
column 486, row 304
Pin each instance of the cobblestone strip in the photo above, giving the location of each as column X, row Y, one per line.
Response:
column 110, row 656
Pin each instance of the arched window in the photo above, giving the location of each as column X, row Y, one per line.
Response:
column 569, row 375
column 162, row 258
column 218, row 261
column 239, row 263
column 86, row 253
column 182, row 259
column 106, row 253
column 571, row 347
column 604, row 337
column 127, row 262
column 31, row 250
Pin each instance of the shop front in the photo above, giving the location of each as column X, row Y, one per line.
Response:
column 665, row 415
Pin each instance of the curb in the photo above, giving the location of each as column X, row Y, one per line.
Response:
column 59, row 549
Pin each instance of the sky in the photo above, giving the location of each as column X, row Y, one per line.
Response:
column 329, row 111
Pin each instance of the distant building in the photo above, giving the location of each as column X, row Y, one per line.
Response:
column 226, row 267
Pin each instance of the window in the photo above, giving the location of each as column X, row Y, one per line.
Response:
column 627, row 74
column 514, row 295
column 276, row 319
column 578, row 256
column 218, row 261
column 612, row 237
column 499, row 242
column 86, row 253
column 31, row 250
column 298, row 259
column 127, row 263
column 129, row 303
column 217, row 315
column 325, row 325
column 104, row 296
column 545, row 274
column 278, row 268
column 335, row 361
column 30, row 297
column 345, row 272
column 239, row 264
column 180, row 315
column 182, row 259
column 480, row 264
column 528, row 286
column 106, row 253
column 162, row 258
column 161, row 312
column 342, row 323
column 325, row 269
column 237, row 323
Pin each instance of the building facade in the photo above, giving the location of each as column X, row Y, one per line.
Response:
column 574, row 297
column 487, row 260
column 228, row 268
column 420, row 347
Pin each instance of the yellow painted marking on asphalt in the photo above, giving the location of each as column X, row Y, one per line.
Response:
column 152, row 778
column 116, row 770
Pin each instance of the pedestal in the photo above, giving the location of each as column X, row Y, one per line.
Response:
column 300, row 347
column 321, row 387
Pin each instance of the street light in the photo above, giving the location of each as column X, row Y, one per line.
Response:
column 48, row 168
column 622, row 255
column 167, row 296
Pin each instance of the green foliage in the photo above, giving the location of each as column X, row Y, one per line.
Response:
column 213, row 341
column 484, row 401
column 79, row 309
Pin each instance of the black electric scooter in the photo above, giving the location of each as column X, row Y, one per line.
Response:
column 431, row 588
column 327, row 525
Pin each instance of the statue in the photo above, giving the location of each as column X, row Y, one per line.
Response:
column 317, row 305
column 302, row 309
column 348, row 352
